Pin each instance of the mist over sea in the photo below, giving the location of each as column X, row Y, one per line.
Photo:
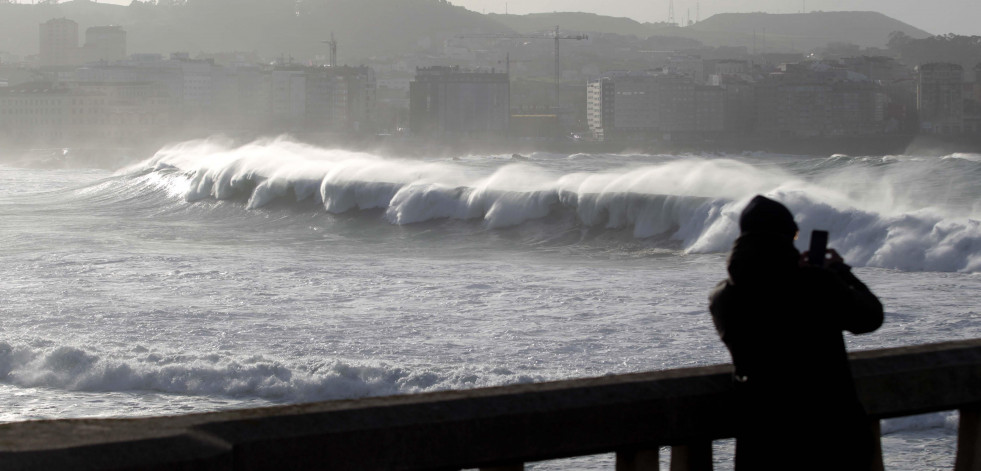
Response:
column 214, row 276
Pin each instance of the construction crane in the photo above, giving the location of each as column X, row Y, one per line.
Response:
column 332, row 44
column 556, row 36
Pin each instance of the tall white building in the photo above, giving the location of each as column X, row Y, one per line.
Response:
column 599, row 107
column 652, row 105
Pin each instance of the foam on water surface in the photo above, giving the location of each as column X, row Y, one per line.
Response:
column 891, row 212
column 215, row 276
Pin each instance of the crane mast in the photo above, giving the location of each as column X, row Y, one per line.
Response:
column 332, row 45
column 555, row 36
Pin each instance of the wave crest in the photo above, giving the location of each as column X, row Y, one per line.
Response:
column 873, row 219
column 75, row 369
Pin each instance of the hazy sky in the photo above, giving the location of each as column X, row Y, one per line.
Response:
column 934, row 16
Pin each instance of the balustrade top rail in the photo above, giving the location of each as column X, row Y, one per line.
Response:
column 474, row 428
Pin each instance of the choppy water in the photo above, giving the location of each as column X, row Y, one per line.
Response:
column 216, row 276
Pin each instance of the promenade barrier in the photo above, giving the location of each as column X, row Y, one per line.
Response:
column 499, row 428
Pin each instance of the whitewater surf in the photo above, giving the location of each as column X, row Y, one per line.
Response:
column 213, row 276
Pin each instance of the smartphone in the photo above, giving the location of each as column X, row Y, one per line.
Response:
column 818, row 249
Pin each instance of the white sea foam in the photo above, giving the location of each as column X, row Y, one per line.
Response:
column 964, row 156
column 76, row 369
column 875, row 219
column 121, row 298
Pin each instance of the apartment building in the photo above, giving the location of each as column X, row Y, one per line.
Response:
column 940, row 98
column 62, row 115
column 653, row 105
column 453, row 102
column 58, row 43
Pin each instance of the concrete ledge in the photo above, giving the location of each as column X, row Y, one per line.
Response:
column 494, row 426
column 182, row 451
column 473, row 428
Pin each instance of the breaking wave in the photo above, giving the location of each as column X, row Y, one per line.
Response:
column 901, row 212
column 76, row 369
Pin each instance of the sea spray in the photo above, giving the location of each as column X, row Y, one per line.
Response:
column 866, row 203
column 122, row 298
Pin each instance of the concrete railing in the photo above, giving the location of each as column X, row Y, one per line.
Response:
column 492, row 428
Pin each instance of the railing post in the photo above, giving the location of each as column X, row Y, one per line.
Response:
column 692, row 457
column 638, row 460
column 877, row 464
column 969, row 440
column 510, row 467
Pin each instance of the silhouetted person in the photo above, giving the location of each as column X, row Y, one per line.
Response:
column 782, row 321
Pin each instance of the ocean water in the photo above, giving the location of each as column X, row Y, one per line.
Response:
column 212, row 276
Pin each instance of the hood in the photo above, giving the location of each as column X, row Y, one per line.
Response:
column 763, row 215
column 762, row 259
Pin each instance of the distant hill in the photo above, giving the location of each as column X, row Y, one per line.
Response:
column 371, row 28
column 574, row 22
column 364, row 28
column 800, row 31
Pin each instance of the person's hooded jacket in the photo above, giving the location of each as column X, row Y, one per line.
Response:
column 782, row 323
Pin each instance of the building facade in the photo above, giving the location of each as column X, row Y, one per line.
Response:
column 799, row 105
column 323, row 99
column 58, row 43
column 599, row 107
column 196, row 97
column 652, row 105
column 451, row 102
column 51, row 115
column 940, row 98
column 104, row 44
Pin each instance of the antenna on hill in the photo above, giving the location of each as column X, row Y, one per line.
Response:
column 671, row 11
column 698, row 12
